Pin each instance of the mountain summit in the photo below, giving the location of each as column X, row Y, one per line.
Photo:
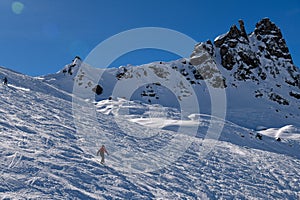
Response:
column 260, row 54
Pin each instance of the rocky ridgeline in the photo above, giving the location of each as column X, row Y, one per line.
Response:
column 258, row 55
column 255, row 57
column 260, row 58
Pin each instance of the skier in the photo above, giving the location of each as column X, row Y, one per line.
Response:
column 101, row 151
column 5, row 81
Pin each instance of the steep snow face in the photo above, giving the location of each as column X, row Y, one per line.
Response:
column 43, row 156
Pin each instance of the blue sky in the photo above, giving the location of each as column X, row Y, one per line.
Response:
column 38, row 37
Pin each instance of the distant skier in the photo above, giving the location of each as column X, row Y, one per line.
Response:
column 101, row 151
column 5, row 81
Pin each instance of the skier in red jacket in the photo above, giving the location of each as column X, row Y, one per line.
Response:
column 101, row 151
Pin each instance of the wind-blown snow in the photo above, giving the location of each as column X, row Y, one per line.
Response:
column 288, row 132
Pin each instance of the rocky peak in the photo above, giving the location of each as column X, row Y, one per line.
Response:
column 260, row 56
column 266, row 27
column 234, row 32
column 70, row 68
column 233, row 36
column 271, row 36
column 254, row 55
column 243, row 30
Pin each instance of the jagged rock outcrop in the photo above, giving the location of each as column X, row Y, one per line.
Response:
column 69, row 69
column 267, row 32
column 243, row 30
column 257, row 55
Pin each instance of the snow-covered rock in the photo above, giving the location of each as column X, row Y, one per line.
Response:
column 255, row 70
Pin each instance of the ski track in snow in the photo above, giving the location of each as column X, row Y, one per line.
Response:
column 43, row 157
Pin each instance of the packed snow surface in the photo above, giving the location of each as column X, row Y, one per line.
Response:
column 44, row 157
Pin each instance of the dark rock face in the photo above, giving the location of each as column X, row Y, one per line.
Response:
column 228, row 61
column 121, row 73
column 277, row 98
column 274, row 48
column 256, row 56
column 150, row 93
column 98, row 89
column 266, row 27
column 228, row 43
column 271, row 36
column 295, row 94
column 243, row 30
column 233, row 36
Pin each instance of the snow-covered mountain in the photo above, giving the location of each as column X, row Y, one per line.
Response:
column 256, row 71
column 44, row 156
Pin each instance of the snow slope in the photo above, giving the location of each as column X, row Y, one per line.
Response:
column 43, row 157
column 159, row 127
